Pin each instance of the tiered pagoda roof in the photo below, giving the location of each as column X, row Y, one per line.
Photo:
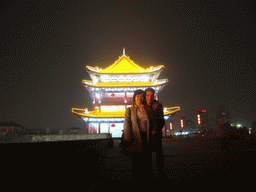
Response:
column 124, row 65
column 119, row 113
column 125, row 84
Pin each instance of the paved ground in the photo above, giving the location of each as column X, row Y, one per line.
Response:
column 188, row 163
column 198, row 163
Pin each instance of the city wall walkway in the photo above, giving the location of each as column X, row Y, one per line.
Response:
column 186, row 162
column 189, row 163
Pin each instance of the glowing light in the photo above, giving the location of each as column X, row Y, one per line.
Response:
column 170, row 110
column 198, row 119
column 126, row 84
column 181, row 133
column 170, row 126
column 110, row 108
column 103, row 119
column 182, row 123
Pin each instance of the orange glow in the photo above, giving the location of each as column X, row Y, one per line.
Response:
column 170, row 126
column 198, row 119
column 182, row 123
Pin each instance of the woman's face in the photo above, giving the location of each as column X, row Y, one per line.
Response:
column 139, row 99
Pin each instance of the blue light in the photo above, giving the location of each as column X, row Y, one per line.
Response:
column 166, row 118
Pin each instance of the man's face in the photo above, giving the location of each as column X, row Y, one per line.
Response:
column 149, row 97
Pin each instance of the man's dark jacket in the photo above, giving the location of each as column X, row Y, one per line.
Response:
column 159, row 114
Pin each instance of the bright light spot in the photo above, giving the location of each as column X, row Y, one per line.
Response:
column 181, row 133
column 170, row 126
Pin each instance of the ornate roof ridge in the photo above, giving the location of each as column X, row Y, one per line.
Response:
column 124, row 65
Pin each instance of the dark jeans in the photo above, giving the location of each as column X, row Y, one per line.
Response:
column 142, row 162
column 159, row 155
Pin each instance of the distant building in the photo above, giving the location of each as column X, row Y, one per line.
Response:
column 222, row 116
column 222, row 122
column 202, row 121
column 75, row 130
column 8, row 127
column 35, row 131
column 190, row 126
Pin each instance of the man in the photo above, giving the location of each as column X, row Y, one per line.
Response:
column 159, row 115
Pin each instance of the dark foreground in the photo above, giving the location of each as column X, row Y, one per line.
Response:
column 198, row 163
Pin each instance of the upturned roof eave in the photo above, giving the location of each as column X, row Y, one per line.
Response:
column 125, row 85
column 124, row 72
column 96, row 114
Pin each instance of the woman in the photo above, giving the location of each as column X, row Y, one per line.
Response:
column 139, row 126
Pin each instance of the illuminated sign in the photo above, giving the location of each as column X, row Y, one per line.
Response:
column 182, row 123
column 170, row 126
column 198, row 119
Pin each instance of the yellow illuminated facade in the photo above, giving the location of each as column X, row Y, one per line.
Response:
column 112, row 89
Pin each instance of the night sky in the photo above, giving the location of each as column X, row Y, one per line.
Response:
column 207, row 47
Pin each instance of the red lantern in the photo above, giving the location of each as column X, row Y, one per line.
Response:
column 113, row 125
column 113, row 94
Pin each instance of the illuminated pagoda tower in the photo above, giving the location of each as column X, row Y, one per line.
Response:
column 111, row 90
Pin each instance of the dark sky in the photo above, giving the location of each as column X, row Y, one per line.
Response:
column 207, row 47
